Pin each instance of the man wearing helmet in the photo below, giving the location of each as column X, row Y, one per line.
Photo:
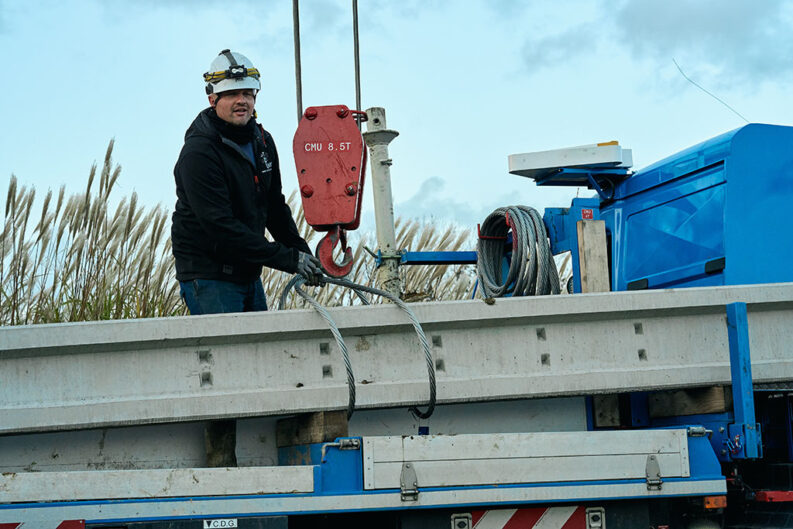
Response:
column 228, row 188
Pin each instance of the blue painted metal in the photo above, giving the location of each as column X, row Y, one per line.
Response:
column 562, row 231
column 309, row 454
column 745, row 433
column 571, row 176
column 589, row 402
column 701, row 217
column 640, row 409
column 341, row 471
column 702, row 460
column 715, row 422
column 437, row 258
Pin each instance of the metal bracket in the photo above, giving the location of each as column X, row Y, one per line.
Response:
column 381, row 256
column 596, row 518
column 462, row 521
column 408, row 483
column 342, row 444
column 652, row 470
column 746, row 439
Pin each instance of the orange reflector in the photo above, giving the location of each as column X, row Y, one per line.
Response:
column 612, row 142
column 715, row 502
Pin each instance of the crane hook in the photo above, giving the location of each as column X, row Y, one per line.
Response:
column 325, row 249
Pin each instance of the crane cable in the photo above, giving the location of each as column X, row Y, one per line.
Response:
column 299, row 68
column 532, row 270
column 296, row 283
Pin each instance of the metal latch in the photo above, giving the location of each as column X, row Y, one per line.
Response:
column 699, row 431
column 462, row 520
column 409, row 483
column 343, row 444
column 652, row 470
column 596, row 518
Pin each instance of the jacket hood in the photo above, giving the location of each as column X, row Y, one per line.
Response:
column 202, row 127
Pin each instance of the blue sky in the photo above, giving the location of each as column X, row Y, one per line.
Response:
column 465, row 83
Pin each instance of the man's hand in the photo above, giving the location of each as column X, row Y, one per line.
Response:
column 310, row 268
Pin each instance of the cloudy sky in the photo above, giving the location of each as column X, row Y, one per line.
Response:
column 466, row 83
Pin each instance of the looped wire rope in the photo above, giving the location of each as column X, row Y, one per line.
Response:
column 297, row 281
column 532, row 270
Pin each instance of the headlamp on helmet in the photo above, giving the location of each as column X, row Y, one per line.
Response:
column 238, row 74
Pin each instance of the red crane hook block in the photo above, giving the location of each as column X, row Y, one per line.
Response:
column 325, row 253
column 330, row 158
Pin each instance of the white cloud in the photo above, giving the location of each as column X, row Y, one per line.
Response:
column 721, row 42
column 731, row 40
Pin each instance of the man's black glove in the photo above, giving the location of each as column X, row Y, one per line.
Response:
column 310, row 268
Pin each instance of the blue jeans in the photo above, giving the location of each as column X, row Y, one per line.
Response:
column 211, row 296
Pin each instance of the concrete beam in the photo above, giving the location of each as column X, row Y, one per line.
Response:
column 89, row 375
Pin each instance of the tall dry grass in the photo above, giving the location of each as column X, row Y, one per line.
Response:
column 419, row 283
column 78, row 258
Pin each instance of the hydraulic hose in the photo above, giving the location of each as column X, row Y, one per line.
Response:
column 532, row 270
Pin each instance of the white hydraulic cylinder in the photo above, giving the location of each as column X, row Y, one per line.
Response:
column 377, row 138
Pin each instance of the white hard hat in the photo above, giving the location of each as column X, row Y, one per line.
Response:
column 231, row 71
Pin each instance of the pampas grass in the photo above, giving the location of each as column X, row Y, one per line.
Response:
column 77, row 260
column 419, row 283
column 80, row 258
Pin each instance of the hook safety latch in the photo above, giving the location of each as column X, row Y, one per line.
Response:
column 324, row 253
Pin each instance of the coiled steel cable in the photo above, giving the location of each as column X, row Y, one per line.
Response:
column 532, row 270
column 295, row 283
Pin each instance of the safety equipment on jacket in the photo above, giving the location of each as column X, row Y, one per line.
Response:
column 231, row 71
column 310, row 268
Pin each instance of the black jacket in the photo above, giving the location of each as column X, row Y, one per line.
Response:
column 222, row 211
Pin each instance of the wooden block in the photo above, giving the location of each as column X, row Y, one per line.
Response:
column 694, row 401
column 593, row 256
column 319, row 427
column 606, row 410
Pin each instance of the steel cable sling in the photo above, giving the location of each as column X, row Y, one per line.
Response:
column 296, row 283
column 532, row 270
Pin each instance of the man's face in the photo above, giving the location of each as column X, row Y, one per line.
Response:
column 235, row 107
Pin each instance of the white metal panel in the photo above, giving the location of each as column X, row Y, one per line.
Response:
column 99, row 374
column 451, row 473
column 537, row 164
column 441, row 461
column 543, row 444
column 126, row 484
column 310, row 504
column 181, row 445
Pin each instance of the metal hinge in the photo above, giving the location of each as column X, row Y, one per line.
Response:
column 409, row 483
column 652, row 470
